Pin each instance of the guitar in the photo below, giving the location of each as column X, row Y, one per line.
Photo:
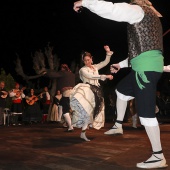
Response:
column 33, row 99
column 19, row 92
column 4, row 95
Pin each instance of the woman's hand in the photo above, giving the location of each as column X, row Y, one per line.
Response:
column 104, row 77
column 110, row 77
column 107, row 49
column 114, row 68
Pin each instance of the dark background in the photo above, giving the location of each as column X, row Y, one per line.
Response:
column 27, row 26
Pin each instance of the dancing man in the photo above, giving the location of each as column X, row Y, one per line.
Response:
column 65, row 83
column 145, row 56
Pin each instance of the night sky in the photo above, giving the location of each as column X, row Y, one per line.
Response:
column 27, row 26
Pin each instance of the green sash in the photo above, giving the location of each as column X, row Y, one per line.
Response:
column 147, row 61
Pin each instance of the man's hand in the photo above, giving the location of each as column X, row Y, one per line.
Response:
column 77, row 6
column 114, row 68
column 44, row 72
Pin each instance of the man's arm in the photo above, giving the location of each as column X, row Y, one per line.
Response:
column 114, row 68
column 121, row 12
column 53, row 74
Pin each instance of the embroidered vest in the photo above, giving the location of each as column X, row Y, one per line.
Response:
column 145, row 35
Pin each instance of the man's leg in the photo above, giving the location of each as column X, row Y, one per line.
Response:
column 68, row 120
column 134, row 120
column 121, row 105
column 117, row 128
column 157, row 160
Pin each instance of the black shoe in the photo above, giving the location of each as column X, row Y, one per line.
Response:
column 69, row 130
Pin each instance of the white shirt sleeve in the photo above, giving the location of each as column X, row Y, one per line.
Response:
column 84, row 73
column 12, row 94
column 166, row 68
column 124, row 63
column 121, row 12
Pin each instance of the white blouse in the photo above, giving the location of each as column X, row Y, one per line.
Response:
column 91, row 75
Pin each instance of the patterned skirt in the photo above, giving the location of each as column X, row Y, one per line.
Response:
column 83, row 104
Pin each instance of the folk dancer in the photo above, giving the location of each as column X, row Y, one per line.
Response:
column 87, row 100
column 65, row 83
column 145, row 56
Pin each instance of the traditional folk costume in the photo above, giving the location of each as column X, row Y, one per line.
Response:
column 65, row 83
column 45, row 101
column 56, row 111
column 86, row 100
column 133, row 113
column 145, row 57
column 32, row 111
column 3, row 97
column 17, row 105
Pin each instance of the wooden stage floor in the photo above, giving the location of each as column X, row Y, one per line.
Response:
column 48, row 147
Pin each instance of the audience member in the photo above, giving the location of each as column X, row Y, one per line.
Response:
column 3, row 96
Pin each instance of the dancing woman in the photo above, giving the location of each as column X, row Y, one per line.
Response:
column 86, row 100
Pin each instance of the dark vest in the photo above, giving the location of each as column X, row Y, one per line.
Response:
column 145, row 35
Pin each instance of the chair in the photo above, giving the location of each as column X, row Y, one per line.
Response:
column 7, row 114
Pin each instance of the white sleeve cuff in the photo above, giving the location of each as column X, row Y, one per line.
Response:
column 124, row 63
column 103, row 77
column 166, row 68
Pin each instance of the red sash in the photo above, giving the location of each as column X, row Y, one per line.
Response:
column 17, row 101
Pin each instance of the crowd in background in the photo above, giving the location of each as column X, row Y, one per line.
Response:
column 38, row 106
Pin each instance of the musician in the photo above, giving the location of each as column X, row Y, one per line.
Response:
column 17, row 96
column 32, row 112
column 3, row 96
